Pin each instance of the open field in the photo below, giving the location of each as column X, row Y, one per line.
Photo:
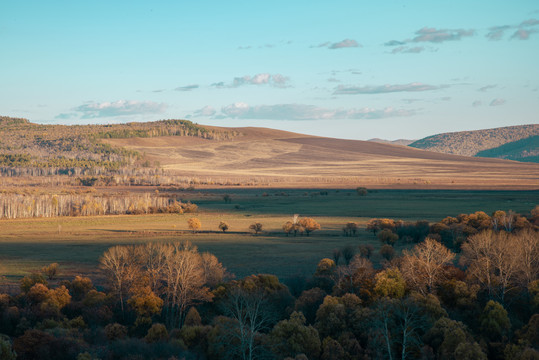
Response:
column 78, row 242
column 266, row 157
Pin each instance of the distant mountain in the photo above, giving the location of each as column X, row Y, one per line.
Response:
column 404, row 142
column 519, row 143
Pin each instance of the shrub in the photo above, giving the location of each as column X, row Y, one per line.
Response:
column 158, row 332
column 115, row 331
column 387, row 252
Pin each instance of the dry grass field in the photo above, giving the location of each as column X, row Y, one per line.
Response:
column 266, row 157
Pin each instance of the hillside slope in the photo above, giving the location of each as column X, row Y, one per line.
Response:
column 522, row 150
column 471, row 143
column 280, row 159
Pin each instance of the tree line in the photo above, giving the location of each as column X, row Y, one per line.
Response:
column 23, row 205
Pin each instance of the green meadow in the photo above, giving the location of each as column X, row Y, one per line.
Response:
column 76, row 243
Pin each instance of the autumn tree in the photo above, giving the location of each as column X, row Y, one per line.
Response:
column 309, row 225
column 387, row 252
column 290, row 226
column 214, row 272
column 292, row 337
column 223, row 226
column 194, row 224
column 390, row 283
column 256, row 227
column 145, row 303
column 51, row 271
column 387, row 236
column 350, row 229
column 376, row 225
column 366, row 250
column 424, row 267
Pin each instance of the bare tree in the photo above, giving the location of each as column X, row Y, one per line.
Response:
column 399, row 323
column 184, row 278
column 493, row 260
column 503, row 260
column 424, row 267
column 119, row 264
column 528, row 242
column 153, row 259
column 252, row 315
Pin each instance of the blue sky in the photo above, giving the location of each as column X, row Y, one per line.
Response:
column 348, row 69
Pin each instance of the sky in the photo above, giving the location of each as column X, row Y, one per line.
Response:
column 346, row 69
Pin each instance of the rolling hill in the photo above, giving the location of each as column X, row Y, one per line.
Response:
column 268, row 157
column 513, row 142
column 247, row 156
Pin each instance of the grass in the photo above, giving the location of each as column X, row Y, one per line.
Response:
column 77, row 243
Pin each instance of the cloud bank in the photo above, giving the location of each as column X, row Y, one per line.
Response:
column 242, row 110
column 382, row 89
column 522, row 30
column 434, row 35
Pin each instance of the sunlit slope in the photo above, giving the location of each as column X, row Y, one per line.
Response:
column 276, row 157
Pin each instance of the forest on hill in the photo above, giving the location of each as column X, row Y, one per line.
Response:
column 34, row 149
column 519, row 143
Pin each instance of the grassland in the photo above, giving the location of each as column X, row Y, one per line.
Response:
column 77, row 242
column 272, row 158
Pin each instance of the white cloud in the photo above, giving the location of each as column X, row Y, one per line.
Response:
column 119, row 108
column 497, row 102
column 346, row 43
column 205, row 111
column 382, row 89
column 408, row 50
column 440, row 35
column 487, row 87
column 477, row 103
column 276, row 80
column 187, row 87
